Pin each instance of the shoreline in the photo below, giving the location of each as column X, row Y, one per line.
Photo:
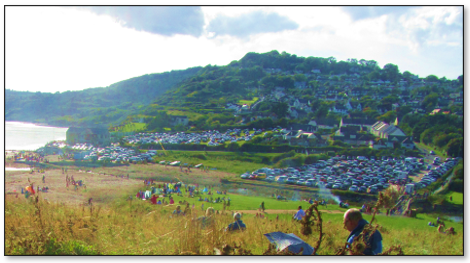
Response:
column 40, row 124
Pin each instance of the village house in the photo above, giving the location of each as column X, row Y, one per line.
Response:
column 176, row 120
column 364, row 123
column 327, row 123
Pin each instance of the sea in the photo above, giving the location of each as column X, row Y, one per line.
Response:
column 30, row 136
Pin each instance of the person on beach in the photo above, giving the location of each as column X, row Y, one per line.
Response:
column 354, row 223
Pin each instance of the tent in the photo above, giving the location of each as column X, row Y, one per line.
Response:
column 205, row 190
column 291, row 241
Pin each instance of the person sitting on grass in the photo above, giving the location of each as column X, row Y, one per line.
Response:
column 237, row 225
column 300, row 214
column 187, row 210
column 153, row 199
column 178, row 211
column 354, row 223
column 172, row 201
column 159, row 202
column 450, row 231
column 207, row 220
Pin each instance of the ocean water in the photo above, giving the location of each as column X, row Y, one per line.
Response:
column 29, row 136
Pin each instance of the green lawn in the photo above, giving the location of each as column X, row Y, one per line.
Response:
column 244, row 202
column 248, row 102
column 232, row 162
column 457, row 198
column 132, row 127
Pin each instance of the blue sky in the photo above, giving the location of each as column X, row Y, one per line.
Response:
column 52, row 49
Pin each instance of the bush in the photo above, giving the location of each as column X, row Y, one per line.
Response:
column 200, row 156
column 456, row 186
column 283, row 156
column 311, row 159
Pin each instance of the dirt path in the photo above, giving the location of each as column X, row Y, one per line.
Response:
column 273, row 211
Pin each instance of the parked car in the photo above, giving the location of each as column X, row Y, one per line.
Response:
column 353, row 188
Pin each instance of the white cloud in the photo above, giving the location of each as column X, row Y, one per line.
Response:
column 57, row 49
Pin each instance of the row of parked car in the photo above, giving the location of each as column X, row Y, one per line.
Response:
column 115, row 154
column 434, row 174
column 358, row 174
column 212, row 138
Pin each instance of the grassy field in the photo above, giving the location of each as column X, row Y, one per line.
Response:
column 132, row 127
column 138, row 228
column 457, row 198
column 192, row 116
column 230, row 162
column 248, row 102
column 114, row 225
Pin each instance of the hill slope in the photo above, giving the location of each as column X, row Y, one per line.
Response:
column 92, row 106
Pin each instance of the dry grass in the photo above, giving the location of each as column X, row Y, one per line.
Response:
column 134, row 228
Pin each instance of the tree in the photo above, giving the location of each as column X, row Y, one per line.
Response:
column 391, row 72
column 403, row 110
column 407, row 76
column 388, row 117
column 455, row 147
column 280, row 109
column 430, row 101
column 322, row 111
column 431, row 78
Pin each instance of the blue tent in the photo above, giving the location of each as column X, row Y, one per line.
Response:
column 205, row 190
column 293, row 242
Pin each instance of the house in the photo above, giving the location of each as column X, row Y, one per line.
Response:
column 339, row 109
column 279, row 92
column 355, row 105
column 384, row 130
column 301, row 103
column 292, row 112
column 175, row 120
column 377, row 145
column 353, row 135
column 435, row 111
column 326, row 123
column 300, row 84
column 94, row 136
column 331, row 98
column 356, row 92
column 408, row 143
column 291, row 134
column 303, row 127
column 364, row 123
column 316, row 71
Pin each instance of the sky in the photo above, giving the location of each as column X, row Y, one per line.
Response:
column 59, row 48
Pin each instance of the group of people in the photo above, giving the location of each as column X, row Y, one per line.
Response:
column 440, row 227
column 70, row 180
column 28, row 156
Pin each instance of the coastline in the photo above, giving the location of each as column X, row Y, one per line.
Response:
column 40, row 124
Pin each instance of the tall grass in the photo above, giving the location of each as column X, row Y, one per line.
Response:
column 138, row 228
